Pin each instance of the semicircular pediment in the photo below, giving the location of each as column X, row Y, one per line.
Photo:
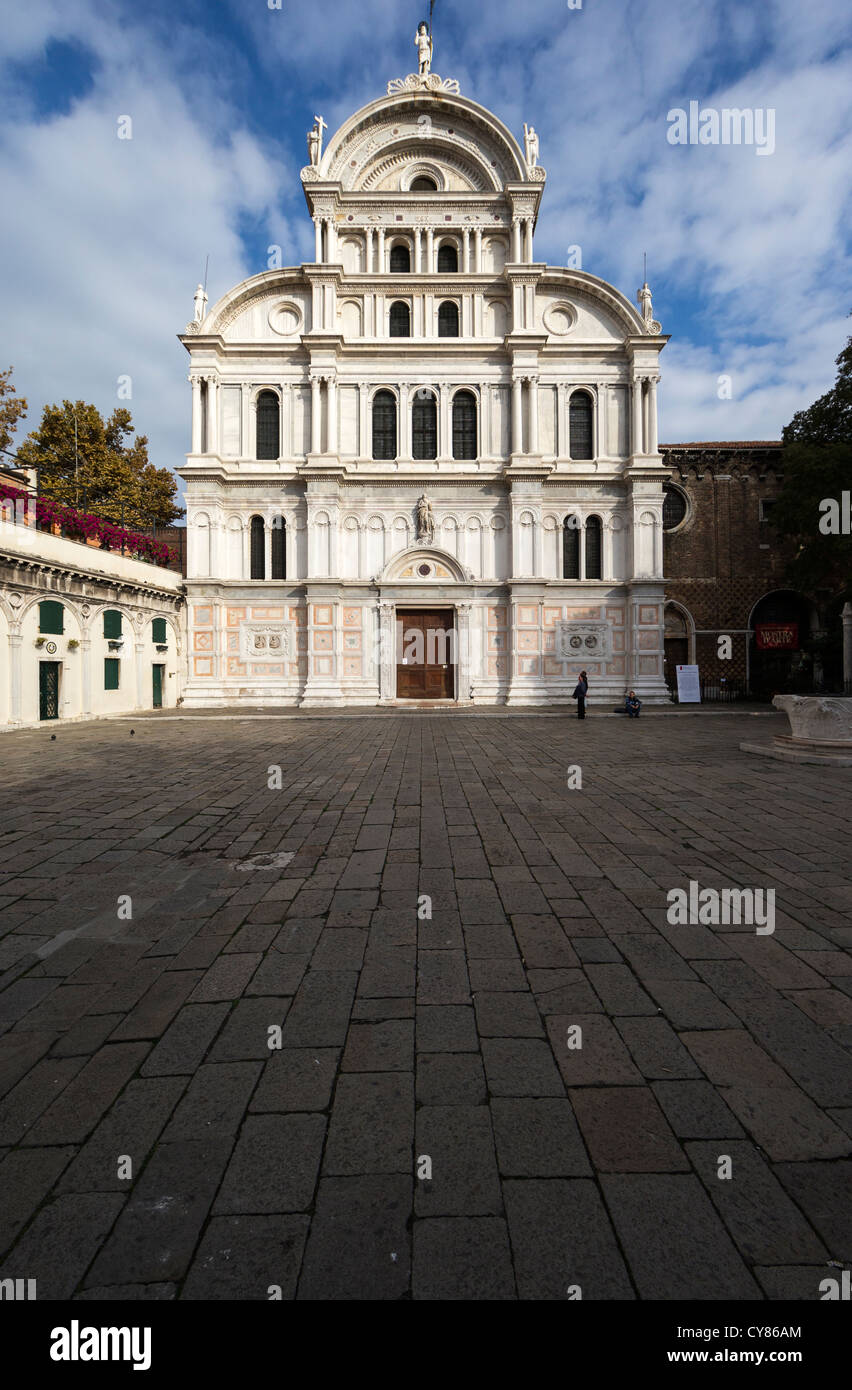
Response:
column 449, row 127
column 425, row 565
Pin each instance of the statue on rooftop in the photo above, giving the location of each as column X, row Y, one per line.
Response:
column 423, row 44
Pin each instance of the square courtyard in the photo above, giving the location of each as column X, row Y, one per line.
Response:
column 388, row 1006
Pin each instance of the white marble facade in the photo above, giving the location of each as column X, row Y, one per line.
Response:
column 424, row 207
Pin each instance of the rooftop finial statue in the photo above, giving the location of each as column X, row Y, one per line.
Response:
column 643, row 298
column 199, row 299
column 315, row 141
column 531, row 143
column 423, row 44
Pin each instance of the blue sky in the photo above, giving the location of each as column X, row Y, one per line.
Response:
column 103, row 240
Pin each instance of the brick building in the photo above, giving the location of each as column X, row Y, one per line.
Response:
column 724, row 569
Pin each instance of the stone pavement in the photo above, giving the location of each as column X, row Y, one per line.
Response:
column 428, row 919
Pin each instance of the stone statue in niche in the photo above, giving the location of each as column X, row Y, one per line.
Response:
column 315, row 140
column 425, row 519
column 531, row 145
column 423, row 44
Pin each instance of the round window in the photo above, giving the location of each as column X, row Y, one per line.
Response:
column 674, row 508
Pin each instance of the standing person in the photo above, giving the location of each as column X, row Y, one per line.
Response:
column 580, row 693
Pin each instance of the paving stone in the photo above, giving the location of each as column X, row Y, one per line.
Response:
column 562, row 1238
column 442, row 978
column 675, row 1243
column 595, row 949
column 226, row 978
column 76, row 1225
column 243, row 1257
column 26, row 1177
column 490, row 941
column 690, row 1004
column 156, row 1234
column 542, row 941
column 296, row 1079
column 158, row 1006
column 764, row 1223
column 822, row 1191
column 18, row 1053
column 601, row 1059
column 626, row 1132
column 389, row 973
column 278, row 975
column 372, row 1125
column 538, row 1139
column 819, row 1064
column 460, row 1145
column 380, row 1047
column 450, row 1079
column 507, row 1015
column 128, row 1293
column 319, row 1014
column 129, row 1129
column 215, row 1101
column 619, row 991
column 502, row 974
column 794, row 1282
column 462, row 1258
column 274, row 1165
column 520, row 1067
column 246, row 1032
column 446, row 1028
column 695, row 1110
column 780, row 1118
column 656, row 1048
column 341, row 949
column 186, row 1041
column 77, row 1110
column 375, row 1009
column 359, row 1244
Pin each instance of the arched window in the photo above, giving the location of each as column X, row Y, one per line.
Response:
column 571, row 548
column 448, row 320
column 464, row 425
column 400, row 319
column 384, row 425
column 593, row 547
column 258, row 548
column 423, row 184
column 400, row 259
column 448, row 259
column 424, row 427
column 268, row 433
column 279, row 548
column 580, row 425
column 674, row 507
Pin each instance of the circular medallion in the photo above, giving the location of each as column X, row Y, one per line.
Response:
column 50, row 647
column 424, row 569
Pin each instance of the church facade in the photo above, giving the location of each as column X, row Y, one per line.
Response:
column 424, row 466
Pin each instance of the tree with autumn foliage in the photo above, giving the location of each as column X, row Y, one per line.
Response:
column 99, row 465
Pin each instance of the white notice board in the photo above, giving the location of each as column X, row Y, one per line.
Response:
column 688, row 685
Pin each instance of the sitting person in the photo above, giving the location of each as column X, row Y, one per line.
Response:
column 632, row 704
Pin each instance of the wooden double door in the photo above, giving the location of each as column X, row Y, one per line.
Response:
column 425, row 654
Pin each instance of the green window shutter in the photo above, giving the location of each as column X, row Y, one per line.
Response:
column 159, row 626
column 112, row 624
column 111, row 665
column 50, row 616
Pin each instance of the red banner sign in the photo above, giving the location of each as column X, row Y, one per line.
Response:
column 777, row 637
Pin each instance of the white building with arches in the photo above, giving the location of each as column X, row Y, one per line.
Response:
column 423, row 426
column 84, row 632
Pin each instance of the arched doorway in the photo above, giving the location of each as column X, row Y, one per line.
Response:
column 781, row 659
column 676, row 643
